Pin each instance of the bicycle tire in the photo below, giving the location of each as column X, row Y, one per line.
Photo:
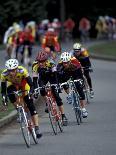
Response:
column 52, row 118
column 86, row 91
column 35, row 139
column 77, row 109
column 86, row 96
column 60, row 126
column 24, row 127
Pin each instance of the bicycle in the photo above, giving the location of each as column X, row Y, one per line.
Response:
column 24, row 118
column 75, row 99
column 54, row 113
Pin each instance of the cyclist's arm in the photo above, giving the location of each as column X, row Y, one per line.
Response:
column 3, row 88
column 30, row 83
column 35, row 75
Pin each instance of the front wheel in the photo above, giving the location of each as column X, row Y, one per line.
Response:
column 77, row 109
column 24, row 127
column 52, row 117
column 34, row 136
column 59, row 121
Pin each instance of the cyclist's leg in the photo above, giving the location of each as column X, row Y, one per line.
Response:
column 82, row 99
column 69, row 97
column 29, row 48
column 34, row 115
column 43, row 92
column 22, row 53
column 29, row 53
column 89, row 81
column 12, row 96
column 60, row 106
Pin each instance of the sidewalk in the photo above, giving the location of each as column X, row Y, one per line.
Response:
column 39, row 103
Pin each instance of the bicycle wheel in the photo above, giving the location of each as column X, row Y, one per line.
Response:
column 34, row 135
column 52, row 117
column 86, row 90
column 59, row 121
column 24, row 127
column 77, row 109
column 86, row 95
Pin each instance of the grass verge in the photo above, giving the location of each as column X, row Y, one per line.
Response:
column 108, row 48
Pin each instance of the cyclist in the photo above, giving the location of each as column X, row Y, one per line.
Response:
column 70, row 67
column 25, row 39
column 14, row 78
column 51, row 40
column 44, row 71
column 50, row 53
column 8, row 41
column 82, row 55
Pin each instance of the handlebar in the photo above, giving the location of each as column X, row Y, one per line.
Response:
column 70, row 81
column 48, row 86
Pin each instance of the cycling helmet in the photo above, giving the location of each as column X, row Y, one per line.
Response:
column 77, row 46
column 65, row 57
column 51, row 29
column 42, row 56
column 11, row 64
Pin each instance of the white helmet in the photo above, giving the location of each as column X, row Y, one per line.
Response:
column 55, row 20
column 77, row 46
column 51, row 29
column 11, row 64
column 65, row 57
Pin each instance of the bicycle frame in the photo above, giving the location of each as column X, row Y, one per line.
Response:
column 54, row 114
column 75, row 99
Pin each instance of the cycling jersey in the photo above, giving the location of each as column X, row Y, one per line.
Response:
column 51, row 40
column 83, row 57
column 21, row 74
column 47, row 65
column 74, row 69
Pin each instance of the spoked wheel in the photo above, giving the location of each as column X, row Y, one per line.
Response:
column 77, row 109
column 24, row 129
column 32, row 131
column 52, row 117
column 59, row 121
column 53, row 122
column 86, row 91
column 34, row 135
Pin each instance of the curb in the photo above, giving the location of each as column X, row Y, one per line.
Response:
column 39, row 104
column 102, row 57
column 7, row 119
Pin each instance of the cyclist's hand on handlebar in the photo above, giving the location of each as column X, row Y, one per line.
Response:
column 90, row 69
column 35, row 96
column 4, row 103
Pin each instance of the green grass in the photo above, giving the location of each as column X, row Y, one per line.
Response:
column 5, row 113
column 0, row 72
column 10, row 106
column 108, row 48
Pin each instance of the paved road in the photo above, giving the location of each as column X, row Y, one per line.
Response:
column 95, row 136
